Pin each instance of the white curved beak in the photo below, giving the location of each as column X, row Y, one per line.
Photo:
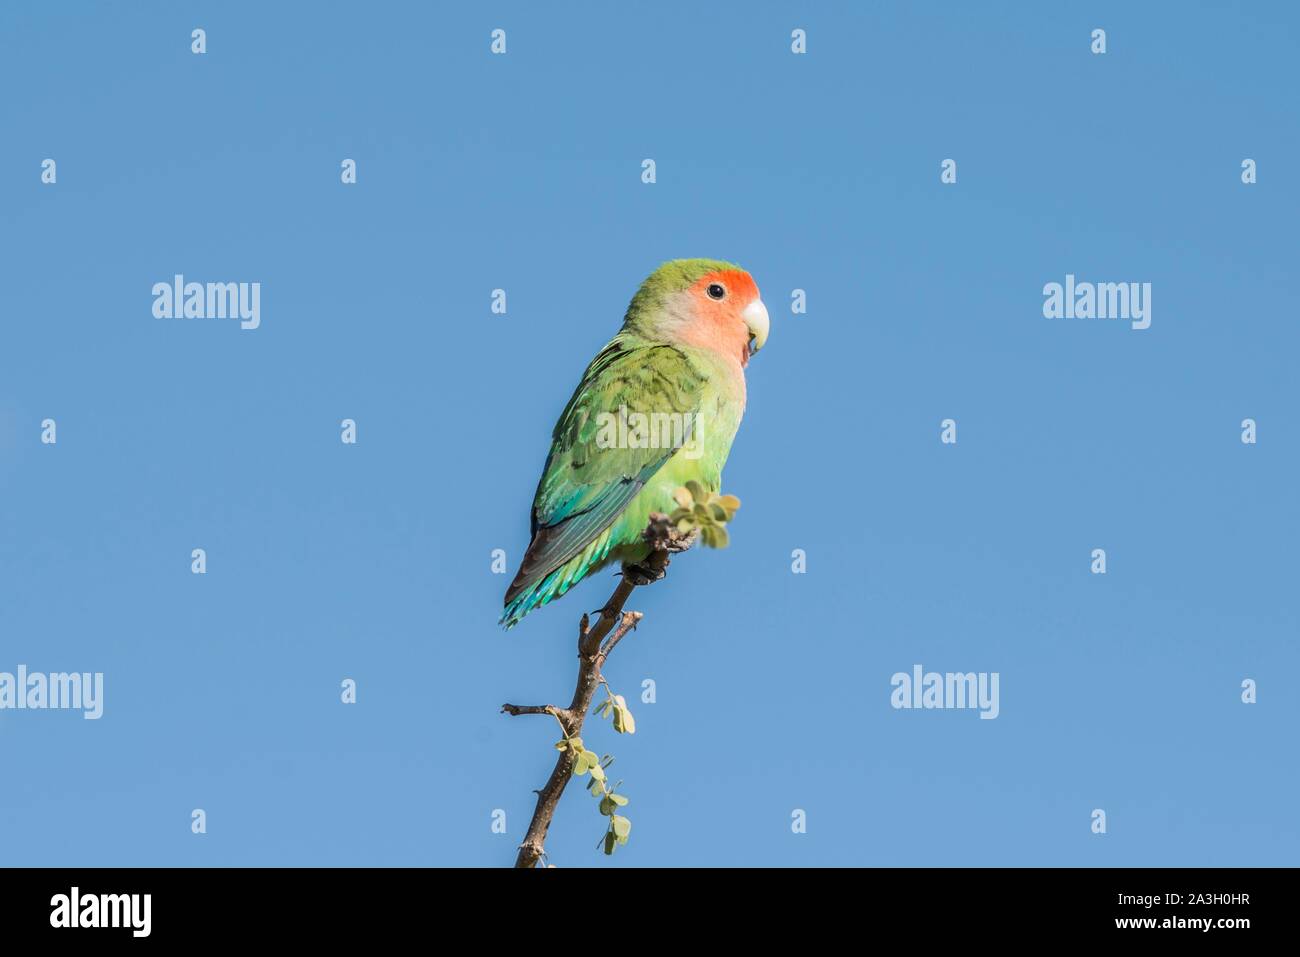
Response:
column 755, row 316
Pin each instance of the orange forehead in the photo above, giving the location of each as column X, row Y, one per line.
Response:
column 740, row 285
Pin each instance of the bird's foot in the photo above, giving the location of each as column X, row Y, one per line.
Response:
column 662, row 535
column 682, row 542
column 645, row 573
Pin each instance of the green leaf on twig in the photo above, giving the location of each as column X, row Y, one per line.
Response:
column 624, row 723
column 621, row 827
column 700, row 510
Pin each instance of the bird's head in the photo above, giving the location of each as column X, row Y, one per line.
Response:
column 705, row 303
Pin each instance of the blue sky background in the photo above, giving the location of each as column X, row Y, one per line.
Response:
column 522, row 171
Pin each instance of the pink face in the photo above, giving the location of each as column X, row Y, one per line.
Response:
column 730, row 315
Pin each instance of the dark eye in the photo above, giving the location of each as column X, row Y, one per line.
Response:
column 716, row 291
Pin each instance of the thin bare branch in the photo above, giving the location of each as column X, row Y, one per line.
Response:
column 593, row 650
column 629, row 623
column 518, row 709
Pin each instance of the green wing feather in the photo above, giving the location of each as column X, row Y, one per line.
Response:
column 585, row 487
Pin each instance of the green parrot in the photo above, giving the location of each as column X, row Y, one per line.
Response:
column 657, row 407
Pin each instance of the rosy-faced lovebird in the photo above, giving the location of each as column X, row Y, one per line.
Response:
column 657, row 407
